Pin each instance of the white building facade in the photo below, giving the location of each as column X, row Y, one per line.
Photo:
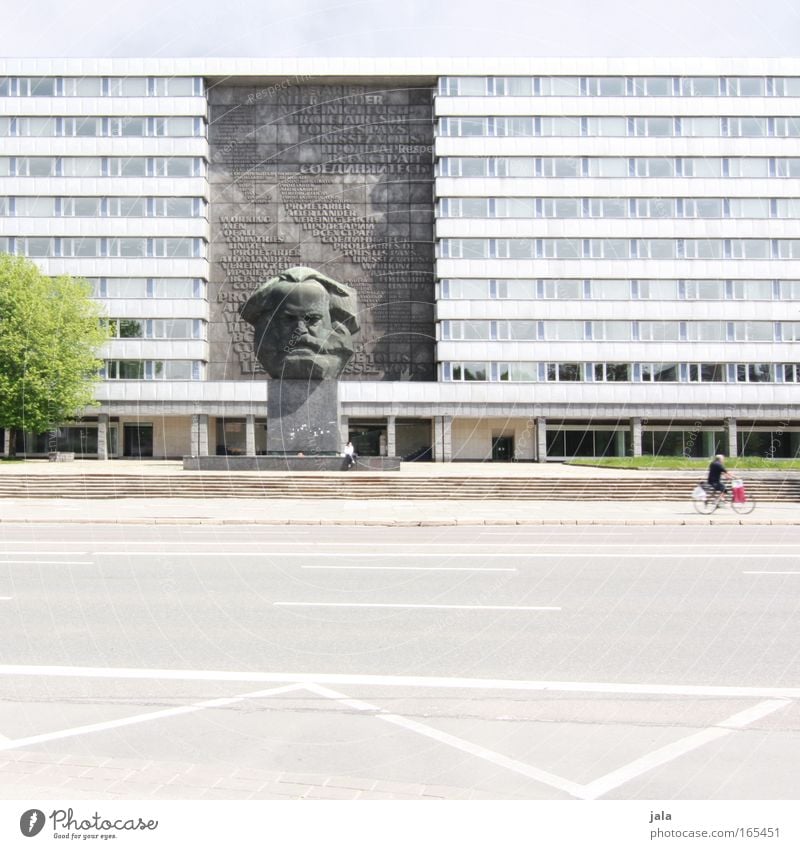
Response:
column 617, row 253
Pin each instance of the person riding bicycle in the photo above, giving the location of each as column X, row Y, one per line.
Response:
column 716, row 471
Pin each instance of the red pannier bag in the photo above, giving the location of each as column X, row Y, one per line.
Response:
column 739, row 495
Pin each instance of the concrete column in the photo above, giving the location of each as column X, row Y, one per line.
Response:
column 200, row 435
column 344, row 432
column 6, row 442
column 102, row 437
column 732, row 437
column 541, row 439
column 443, row 439
column 636, row 437
column 619, row 440
column 391, row 436
column 250, row 436
column 708, row 443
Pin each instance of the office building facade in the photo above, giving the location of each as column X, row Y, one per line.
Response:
column 553, row 258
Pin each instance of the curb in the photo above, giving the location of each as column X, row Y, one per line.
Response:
column 407, row 523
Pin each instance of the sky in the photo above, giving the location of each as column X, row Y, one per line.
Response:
column 275, row 28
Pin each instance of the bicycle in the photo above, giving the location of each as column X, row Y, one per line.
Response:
column 711, row 499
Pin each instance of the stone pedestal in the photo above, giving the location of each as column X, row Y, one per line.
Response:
column 303, row 417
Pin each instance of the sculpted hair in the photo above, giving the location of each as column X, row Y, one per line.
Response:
column 269, row 295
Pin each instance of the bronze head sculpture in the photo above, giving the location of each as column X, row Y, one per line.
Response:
column 304, row 324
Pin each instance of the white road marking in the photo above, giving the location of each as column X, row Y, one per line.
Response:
column 143, row 717
column 458, row 743
column 38, row 550
column 420, row 568
column 771, row 573
column 402, row 681
column 406, row 606
column 637, row 555
column 6, row 597
column 614, row 779
column 46, row 562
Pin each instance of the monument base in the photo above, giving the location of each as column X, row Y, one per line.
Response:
column 288, row 463
column 303, row 416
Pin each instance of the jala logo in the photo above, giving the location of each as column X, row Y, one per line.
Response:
column 31, row 822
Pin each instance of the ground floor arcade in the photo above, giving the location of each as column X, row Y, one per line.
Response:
column 442, row 438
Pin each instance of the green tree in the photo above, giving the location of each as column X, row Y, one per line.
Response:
column 50, row 332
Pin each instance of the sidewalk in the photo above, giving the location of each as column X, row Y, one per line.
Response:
column 254, row 511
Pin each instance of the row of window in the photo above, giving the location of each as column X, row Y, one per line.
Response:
column 619, row 290
column 536, row 372
column 709, row 167
column 58, row 246
column 153, row 370
column 619, row 248
column 96, row 207
column 102, row 166
column 148, row 287
column 518, row 330
column 616, row 125
column 101, row 87
column 487, row 207
column 618, row 86
column 156, row 328
column 134, row 126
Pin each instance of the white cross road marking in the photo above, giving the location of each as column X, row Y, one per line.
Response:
column 740, row 720
column 143, row 717
column 427, row 682
column 771, row 573
column 592, row 790
column 406, row 606
column 419, row 568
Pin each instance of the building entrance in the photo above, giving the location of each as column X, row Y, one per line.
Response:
column 503, row 449
column 137, row 440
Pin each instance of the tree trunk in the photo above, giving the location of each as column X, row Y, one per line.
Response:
column 12, row 442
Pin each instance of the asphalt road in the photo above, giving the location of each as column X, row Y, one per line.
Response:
column 553, row 662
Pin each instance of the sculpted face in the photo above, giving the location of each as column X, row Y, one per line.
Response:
column 296, row 335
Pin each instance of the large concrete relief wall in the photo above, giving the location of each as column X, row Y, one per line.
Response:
column 336, row 177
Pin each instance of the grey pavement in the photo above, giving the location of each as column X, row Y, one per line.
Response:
column 261, row 662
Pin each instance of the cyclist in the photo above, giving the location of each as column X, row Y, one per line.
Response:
column 716, row 471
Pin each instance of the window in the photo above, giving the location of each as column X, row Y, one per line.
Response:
column 756, row 290
column 466, row 289
column 658, row 290
column 787, row 167
column 568, row 331
column 701, row 167
column 606, row 86
column 754, row 373
column 790, row 331
column 659, row 331
column 702, row 208
column 521, row 290
column 753, row 208
column 610, row 290
column 612, row 372
column 560, row 86
column 607, row 167
column 791, row 373
column 746, row 86
column 652, row 86
column 706, row 331
column 657, row 248
column 752, row 166
column 660, row 372
column 787, row 127
column 751, row 248
column 609, row 248
column 560, row 208
column 789, row 290
column 611, row 331
column 787, row 208
column 747, row 126
column 753, row 331
column 656, row 207
column 704, row 290
column 608, row 207
column 563, row 371
column 700, row 86
column 521, row 331
column 127, row 86
column 81, row 166
column 568, row 290
column 560, row 126
column 133, row 167
column 605, row 126
column 80, row 207
column 703, row 248
column 653, row 127
column 653, row 167
column 82, row 86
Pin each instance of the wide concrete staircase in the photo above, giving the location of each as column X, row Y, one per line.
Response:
column 376, row 486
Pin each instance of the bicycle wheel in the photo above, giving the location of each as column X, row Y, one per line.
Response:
column 744, row 507
column 707, row 506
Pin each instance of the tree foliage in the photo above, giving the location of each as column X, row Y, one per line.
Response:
column 50, row 333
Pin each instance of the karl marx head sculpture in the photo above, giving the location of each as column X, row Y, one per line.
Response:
column 304, row 324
